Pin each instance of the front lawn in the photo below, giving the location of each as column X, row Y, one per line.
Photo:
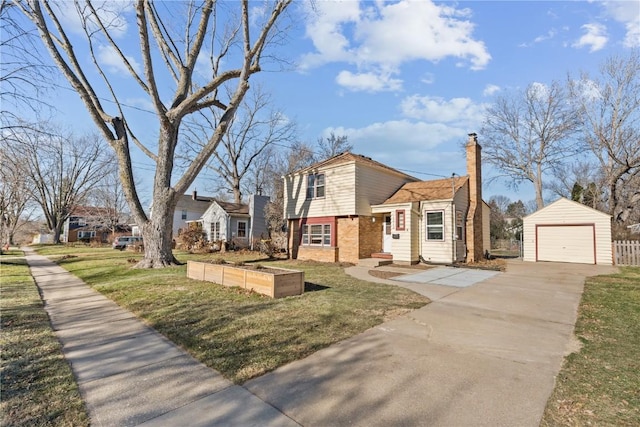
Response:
column 240, row 334
column 600, row 384
column 36, row 382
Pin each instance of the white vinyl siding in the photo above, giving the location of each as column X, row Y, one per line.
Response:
column 350, row 189
column 564, row 214
column 374, row 186
column 339, row 198
column 436, row 250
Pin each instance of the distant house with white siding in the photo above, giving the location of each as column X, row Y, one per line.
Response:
column 236, row 223
column 190, row 207
column 350, row 207
column 568, row 231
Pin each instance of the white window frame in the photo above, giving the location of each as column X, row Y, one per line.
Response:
column 184, row 214
column 316, row 235
column 315, row 190
column 434, row 227
column 214, row 230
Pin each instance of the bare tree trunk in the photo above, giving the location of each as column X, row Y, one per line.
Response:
column 158, row 235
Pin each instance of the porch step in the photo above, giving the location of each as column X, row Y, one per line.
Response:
column 382, row 255
column 373, row 262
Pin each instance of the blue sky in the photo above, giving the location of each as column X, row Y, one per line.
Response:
column 407, row 80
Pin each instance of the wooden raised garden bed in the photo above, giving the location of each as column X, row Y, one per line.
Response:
column 274, row 282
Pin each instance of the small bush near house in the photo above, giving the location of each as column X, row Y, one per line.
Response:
column 193, row 240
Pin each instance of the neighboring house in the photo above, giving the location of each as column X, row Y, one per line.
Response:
column 189, row 208
column 90, row 223
column 351, row 207
column 237, row 223
column 568, row 231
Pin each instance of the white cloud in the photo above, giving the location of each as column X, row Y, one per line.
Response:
column 461, row 111
column 428, row 78
column 379, row 37
column 595, row 37
column 627, row 13
column 490, row 90
column 108, row 56
column 111, row 13
column 368, row 82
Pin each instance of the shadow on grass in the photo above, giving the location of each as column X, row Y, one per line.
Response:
column 313, row 287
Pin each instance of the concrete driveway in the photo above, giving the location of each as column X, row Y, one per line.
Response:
column 483, row 355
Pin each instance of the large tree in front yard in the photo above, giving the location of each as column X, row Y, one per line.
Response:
column 177, row 44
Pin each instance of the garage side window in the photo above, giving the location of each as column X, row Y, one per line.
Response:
column 435, row 225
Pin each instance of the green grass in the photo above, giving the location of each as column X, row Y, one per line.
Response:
column 240, row 334
column 600, row 384
column 38, row 387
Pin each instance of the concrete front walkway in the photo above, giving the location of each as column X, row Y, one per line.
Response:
column 129, row 374
column 484, row 355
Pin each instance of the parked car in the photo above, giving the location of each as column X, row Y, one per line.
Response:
column 122, row 242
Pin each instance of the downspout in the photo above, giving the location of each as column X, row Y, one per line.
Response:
column 419, row 216
column 453, row 218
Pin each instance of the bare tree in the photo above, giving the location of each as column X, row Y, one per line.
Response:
column 332, row 146
column 15, row 199
column 172, row 36
column 580, row 181
column 60, row 170
column 108, row 196
column 609, row 104
column 24, row 77
column 256, row 128
column 529, row 134
column 298, row 156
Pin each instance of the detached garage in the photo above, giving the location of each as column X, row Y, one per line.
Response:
column 566, row 231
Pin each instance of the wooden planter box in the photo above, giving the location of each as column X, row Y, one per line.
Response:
column 282, row 283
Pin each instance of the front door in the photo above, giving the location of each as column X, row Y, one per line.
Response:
column 386, row 235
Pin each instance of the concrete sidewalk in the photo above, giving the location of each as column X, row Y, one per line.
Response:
column 130, row 375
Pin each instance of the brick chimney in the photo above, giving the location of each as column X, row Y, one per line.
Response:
column 474, row 217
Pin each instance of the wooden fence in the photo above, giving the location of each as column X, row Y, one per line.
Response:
column 626, row 252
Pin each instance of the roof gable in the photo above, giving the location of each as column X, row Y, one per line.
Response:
column 349, row 157
column 568, row 203
column 437, row 189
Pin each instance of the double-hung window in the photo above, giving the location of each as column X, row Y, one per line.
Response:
column 315, row 186
column 435, row 225
column 215, row 231
column 242, row 229
column 316, row 234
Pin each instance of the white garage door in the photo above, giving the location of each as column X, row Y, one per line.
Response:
column 566, row 243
